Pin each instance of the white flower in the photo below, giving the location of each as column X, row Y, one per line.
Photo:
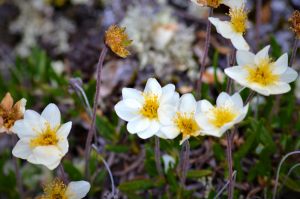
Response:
column 168, row 161
column 74, row 190
column 216, row 120
column 261, row 74
column 235, row 28
column 145, row 110
column 43, row 140
column 183, row 120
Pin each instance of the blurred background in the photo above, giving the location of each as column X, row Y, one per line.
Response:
column 48, row 53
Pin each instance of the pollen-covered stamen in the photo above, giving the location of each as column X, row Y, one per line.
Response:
column 221, row 116
column 55, row 190
column 262, row 73
column 187, row 124
column 238, row 19
column 46, row 138
column 150, row 106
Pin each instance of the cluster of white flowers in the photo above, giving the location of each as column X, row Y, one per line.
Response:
column 157, row 44
column 159, row 111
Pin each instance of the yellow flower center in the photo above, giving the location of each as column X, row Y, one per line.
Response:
column 54, row 190
column 187, row 124
column 46, row 138
column 262, row 74
column 221, row 116
column 150, row 107
column 238, row 19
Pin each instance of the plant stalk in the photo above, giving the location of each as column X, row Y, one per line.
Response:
column 157, row 156
column 294, row 51
column 62, row 173
column 184, row 156
column 229, row 136
column 207, row 44
column 17, row 169
column 92, row 127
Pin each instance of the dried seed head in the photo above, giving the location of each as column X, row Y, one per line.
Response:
column 9, row 113
column 209, row 3
column 295, row 22
column 117, row 40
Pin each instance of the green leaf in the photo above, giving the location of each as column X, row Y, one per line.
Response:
column 198, row 173
column 290, row 183
column 73, row 173
column 140, row 185
column 117, row 148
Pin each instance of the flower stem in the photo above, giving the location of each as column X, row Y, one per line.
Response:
column 207, row 43
column 250, row 97
column 184, row 156
column 258, row 22
column 294, row 52
column 62, row 173
column 92, row 127
column 229, row 136
column 17, row 169
column 157, row 156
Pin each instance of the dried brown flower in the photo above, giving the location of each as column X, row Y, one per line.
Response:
column 9, row 113
column 209, row 3
column 117, row 40
column 295, row 22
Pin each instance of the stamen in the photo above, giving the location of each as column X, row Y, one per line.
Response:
column 46, row 138
column 187, row 124
column 221, row 115
column 262, row 74
column 238, row 19
column 150, row 107
column 54, row 190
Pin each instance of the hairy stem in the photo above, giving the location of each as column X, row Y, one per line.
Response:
column 294, row 51
column 207, row 43
column 229, row 136
column 258, row 22
column 250, row 97
column 278, row 171
column 225, row 186
column 92, row 127
column 113, row 189
column 62, row 173
column 184, row 156
column 157, row 156
column 17, row 169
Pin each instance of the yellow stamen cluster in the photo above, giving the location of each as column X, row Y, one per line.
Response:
column 222, row 116
column 238, row 19
column 55, row 190
column 262, row 74
column 46, row 138
column 117, row 40
column 9, row 113
column 210, row 3
column 295, row 21
column 150, row 106
column 187, row 124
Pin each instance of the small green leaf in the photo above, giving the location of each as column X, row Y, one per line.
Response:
column 198, row 173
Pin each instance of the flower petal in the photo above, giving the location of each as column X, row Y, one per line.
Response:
column 239, row 42
column 166, row 114
column 237, row 101
column 64, row 130
column 279, row 88
column 205, row 106
column 169, row 96
column 152, row 86
column 281, row 64
column 138, row 125
column 233, row 3
column 22, row 149
column 187, row 103
column 52, row 114
column 170, row 131
column 237, row 73
column 128, row 109
column 244, row 58
column 262, row 54
column 152, row 129
column 224, row 28
column 63, row 146
column 289, row 75
column 131, row 93
column 34, row 120
column 223, row 99
column 47, row 155
column 23, row 129
column 77, row 189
